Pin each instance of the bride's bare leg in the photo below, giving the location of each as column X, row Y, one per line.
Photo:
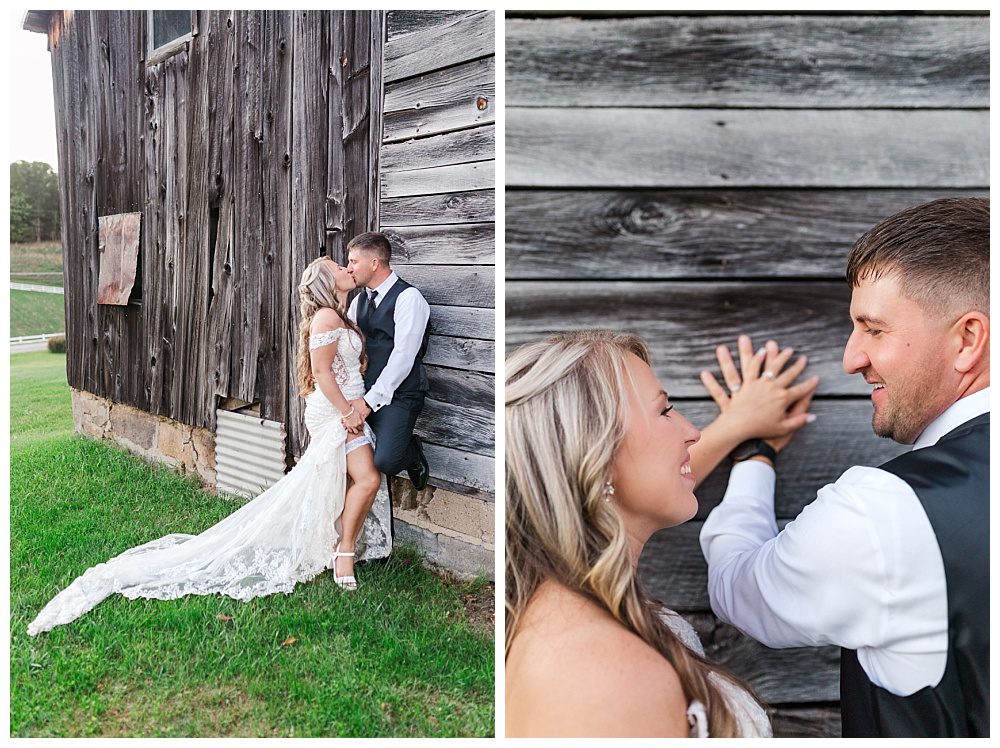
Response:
column 357, row 502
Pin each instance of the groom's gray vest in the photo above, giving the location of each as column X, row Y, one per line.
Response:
column 379, row 328
column 952, row 481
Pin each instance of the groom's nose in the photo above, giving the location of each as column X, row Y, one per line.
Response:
column 855, row 358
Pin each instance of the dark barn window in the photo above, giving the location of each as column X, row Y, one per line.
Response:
column 168, row 32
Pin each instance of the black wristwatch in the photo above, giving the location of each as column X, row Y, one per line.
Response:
column 753, row 447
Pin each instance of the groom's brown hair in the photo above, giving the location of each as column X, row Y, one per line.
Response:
column 940, row 252
column 374, row 243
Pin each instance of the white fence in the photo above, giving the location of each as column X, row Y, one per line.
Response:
column 34, row 287
column 32, row 338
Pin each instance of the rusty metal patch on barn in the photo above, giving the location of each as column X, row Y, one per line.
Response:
column 118, row 247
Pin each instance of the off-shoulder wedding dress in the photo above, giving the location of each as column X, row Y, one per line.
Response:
column 283, row 537
column 751, row 719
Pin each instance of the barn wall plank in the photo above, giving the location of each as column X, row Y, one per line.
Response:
column 460, row 353
column 645, row 235
column 451, row 285
column 477, row 175
column 474, row 206
column 458, row 147
column 221, row 36
column 684, row 321
column 314, row 185
column 821, row 721
column 553, row 147
column 465, row 388
column 399, row 22
column 250, row 235
column 457, row 425
column 449, row 99
column 190, row 403
column 461, row 472
column 462, row 322
column 277, row 351
column 440, row 45
column 749, row 61
column 444, row 244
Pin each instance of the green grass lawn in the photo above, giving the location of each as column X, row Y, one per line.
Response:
column 36, row 257
column 38, row 279
column 401, row 657
column 36, row 313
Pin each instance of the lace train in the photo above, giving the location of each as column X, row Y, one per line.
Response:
column 284, row 536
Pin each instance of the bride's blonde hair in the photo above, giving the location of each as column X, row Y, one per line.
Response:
column 566, row 403
column 318, row 289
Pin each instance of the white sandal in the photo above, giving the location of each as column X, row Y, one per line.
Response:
column 348, row 583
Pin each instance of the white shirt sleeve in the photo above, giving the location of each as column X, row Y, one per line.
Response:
column 352, row 308
column 858, row 568
column 410, row 319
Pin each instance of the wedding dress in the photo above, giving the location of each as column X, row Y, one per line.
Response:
column 283, row 537
column 750, row 716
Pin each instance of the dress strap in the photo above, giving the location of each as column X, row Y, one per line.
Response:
column 326, row 338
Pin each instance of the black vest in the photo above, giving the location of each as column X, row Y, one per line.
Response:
column 952, row 481
column 379, row 328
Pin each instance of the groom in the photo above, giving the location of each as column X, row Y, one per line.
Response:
column 889, row 563
column 393, row 316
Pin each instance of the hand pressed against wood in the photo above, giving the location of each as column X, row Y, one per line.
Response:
column 762, row 403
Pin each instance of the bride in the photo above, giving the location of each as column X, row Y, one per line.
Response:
column 597, row 460
column 307, row 522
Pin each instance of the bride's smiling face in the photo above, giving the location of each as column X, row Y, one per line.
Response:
column 654, row 487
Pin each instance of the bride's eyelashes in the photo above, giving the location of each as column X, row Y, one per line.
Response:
column 666, row 411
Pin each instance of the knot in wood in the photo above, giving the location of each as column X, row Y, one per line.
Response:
column 482, row 102
column 643, row 218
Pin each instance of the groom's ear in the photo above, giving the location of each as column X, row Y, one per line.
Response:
column 973, row 329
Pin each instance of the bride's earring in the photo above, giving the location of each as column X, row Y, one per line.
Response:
column 609, row 491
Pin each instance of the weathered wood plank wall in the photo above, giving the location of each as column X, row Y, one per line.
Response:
column 691, row 177
column 249, row 155
column 437, row 207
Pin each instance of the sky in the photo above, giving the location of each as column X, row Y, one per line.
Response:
column 32, row 110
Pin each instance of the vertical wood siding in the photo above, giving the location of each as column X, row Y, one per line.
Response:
column 248, row 155
column 693, row 177
column 437, row 205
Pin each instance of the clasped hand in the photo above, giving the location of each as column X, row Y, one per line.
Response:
column 762, row 402
column 354, row 423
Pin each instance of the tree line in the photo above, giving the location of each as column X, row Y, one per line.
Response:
column 34, row 202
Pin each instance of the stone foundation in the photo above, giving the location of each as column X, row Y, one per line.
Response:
column 189, row 449
column 452, row 531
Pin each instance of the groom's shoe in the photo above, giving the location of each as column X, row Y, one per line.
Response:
column 419, row 475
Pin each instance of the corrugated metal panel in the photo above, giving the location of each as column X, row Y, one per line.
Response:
column 249, row 453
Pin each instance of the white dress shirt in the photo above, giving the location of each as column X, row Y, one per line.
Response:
column 859, row 567
column 410, row 318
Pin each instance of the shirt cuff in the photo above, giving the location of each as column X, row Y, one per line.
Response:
column 374, row 400
column 751, row 482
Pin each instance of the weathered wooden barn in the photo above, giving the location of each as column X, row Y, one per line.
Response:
column 234, row 147
column 690, row 177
